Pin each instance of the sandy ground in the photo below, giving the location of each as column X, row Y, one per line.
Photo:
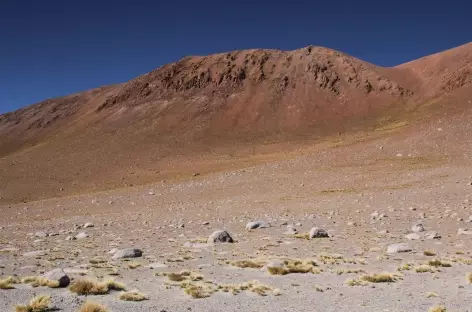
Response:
column 364, row 205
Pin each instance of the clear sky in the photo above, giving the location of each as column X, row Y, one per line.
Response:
column 50, row 48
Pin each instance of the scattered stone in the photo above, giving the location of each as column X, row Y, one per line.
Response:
column 413, row 236
column 58, row 275
column 69, row 238
column 220, row 237
column 88, row 225
column 464, row 232
column 206, row 223
column 417, row 228
column 81, row 235
column 40, row 234
column 317, row 233
column 113, row 251
column 290, row 231
column 156, row 265
column 257, row 225
column 397, row 248
column 128, row 253
column 432, row 235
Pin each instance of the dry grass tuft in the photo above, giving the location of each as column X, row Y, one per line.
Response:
column 381, row 278
column 249, row 263
column 133, row 296
column 182, row 276
column 7, row 283
column 36, row 281
column 302, row 235
column 439, row 263
column 341, row 271
column 90, row 287
column 134, row 265
column 469, row 277
column 432, row 295
column 92, row 307
column 114, row 285
column 404, row 267
column 437, row 309
column 429, row 253
column 199, row 290
column 356, row 282
column 295, row 266
column 37, row 304
column 424, row 269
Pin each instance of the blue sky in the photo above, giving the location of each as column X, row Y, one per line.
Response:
column 51, row 48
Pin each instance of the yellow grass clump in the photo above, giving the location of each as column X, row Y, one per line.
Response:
column 429, row 253
column 249, row 263
column 384, row 277
column 437, row 309
column 132, row 296
column 439, row 263
column 90, row 287
column 36, row 281
column 92, row 307
column 37, row 304
column 424, row 269
column 7, row 283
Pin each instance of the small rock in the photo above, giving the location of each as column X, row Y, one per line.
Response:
column 128, row 253
column 397, row 248
column 417, row 228
column 317, row 233
column 58, row 275
column 464, row 232
column 413, row 236
column 206, row 223
column 432, row 235
column 113, row 251
column 81, row 235
column 88, row 225
column 40, row 234
column 291, row 231
column 69, row 238
column 220, row 237
column 257, row 225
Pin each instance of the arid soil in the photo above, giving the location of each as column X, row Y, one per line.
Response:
column 79, row 188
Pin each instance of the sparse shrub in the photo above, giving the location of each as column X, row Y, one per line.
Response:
column 404, row 267
column 132, row 296
column 429, row 253
column 36, row 281
column 7, row 283
column 424, row 269
column 431, row 295
column 37, row 304
column 439, row 263
column 199, row 291
column 134, row 265
column 90, row 287
column 92, row 307
column 437, row 309
column 381, row 278
column 248, row 263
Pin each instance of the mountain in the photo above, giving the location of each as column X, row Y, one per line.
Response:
column 202, row 109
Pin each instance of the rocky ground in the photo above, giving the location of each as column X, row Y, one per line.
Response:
column 423, row 203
